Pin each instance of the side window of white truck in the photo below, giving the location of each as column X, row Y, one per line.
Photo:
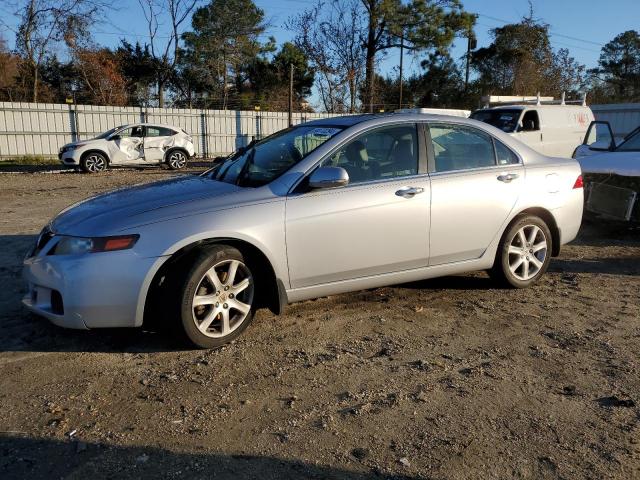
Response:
column 530, row 121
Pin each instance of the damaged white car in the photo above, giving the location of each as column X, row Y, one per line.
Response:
column 612, row 179
column 135, row 145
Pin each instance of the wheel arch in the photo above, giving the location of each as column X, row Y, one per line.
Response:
column 272, row 295
column 96, row 150
column 172, row 149
column 549, row 219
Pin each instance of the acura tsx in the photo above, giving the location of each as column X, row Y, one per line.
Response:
column 329, row 206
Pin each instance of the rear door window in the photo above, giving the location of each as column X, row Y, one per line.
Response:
column 459, row 147
column 159, row 132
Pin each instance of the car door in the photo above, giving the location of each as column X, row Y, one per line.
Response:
column 475, row 183
column 377, row 224
column 126, row 146
column 156, row 141
column 530, row 130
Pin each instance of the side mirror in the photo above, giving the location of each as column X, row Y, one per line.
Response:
column 329, row 177
column 115, row 137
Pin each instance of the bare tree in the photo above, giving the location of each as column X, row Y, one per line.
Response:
column 330, row 34
column 165, row 48
column 43, row 24
column 8, row 72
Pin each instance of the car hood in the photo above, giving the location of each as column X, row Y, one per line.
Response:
column 619, row 163
column 126, row 208
column 82, row 142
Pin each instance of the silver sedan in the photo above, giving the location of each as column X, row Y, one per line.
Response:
column 326, row 207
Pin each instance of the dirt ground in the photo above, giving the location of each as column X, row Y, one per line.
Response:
column 444, row 379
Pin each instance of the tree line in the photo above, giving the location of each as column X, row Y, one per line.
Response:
column 219, row 55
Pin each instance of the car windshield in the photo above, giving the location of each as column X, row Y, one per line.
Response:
column 505, row 120
column 108, row 133
column 262, row 162
column 631, row 143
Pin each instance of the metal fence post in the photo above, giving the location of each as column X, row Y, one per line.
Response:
column 203, row 129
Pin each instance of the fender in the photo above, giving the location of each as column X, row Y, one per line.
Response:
column 282, row 278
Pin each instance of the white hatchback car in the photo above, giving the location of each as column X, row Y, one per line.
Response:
column 136, row 144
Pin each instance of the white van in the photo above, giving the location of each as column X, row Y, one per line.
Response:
column 551, row 129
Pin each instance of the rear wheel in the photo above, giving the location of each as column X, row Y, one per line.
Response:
column 176, row 159
column 217, row 300
column 93, row 162
column 524, row 252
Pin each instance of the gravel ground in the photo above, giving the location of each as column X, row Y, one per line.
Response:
column 444, row 379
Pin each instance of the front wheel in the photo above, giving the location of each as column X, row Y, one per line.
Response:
column 176, row 159
column 217, row 300
column 93, row 162
column 524, row 252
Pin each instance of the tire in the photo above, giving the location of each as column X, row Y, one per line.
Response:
column 94, row 162
column 524, row 252
column 176, row 159
column 215, row 313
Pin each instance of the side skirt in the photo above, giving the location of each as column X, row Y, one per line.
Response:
column 315, row 291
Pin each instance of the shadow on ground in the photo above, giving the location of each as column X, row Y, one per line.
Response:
column 22, row 457
column 612, row 266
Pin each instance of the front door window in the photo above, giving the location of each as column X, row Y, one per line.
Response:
column 381, row 154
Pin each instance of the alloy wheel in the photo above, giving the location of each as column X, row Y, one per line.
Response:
column 177, row 160
column 95, row 163
column 527, row 252
column 223, row 298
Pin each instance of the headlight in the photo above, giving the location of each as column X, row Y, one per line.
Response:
column 79, row 245
column 69, row 148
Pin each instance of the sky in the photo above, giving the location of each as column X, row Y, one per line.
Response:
column 582, row 26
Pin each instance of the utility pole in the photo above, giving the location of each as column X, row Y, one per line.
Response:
column 291, row 95
column 472, row 43
column 401, row 58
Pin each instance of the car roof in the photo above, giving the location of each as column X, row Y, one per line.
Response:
column 146, row 124
column 342, row 120
column 383, row 118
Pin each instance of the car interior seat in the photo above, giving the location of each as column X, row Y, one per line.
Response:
column 403, row 157
column 358, row 165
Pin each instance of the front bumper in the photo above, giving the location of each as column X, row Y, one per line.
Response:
column 95, row 290
column 70, row 158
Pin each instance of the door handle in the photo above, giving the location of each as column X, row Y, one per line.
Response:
column 507, row 177
column 409, row 192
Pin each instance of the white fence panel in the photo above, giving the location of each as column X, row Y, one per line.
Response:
column 42, row 128
column 623, row 117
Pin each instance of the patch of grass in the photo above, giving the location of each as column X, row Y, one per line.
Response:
column 28, row 160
